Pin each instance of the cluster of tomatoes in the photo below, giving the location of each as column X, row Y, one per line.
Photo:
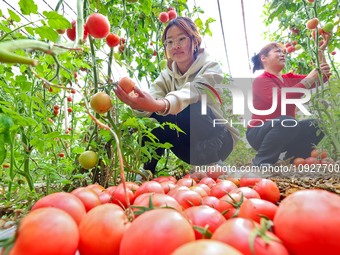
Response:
column 193, row 215
column 98, row 26
column 317, row 156
column 171, row 14
column 312, row 25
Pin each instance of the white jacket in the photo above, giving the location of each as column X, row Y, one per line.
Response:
column 182, row 90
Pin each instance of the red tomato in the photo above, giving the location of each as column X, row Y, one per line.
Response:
column 187, row 198
column 96, row 188
column 308, row 221
column 172, row 14
column 311, row 161
column 105, row 197
column 319, row 154
column 97, row 25
column 163, row 17
column 112, row 40
column 186, row 182
column 46, row 231
column 130, row 185
column 255, row 209
column 121, row 196
column 161, row 179
column 154, row 200
column 89, row 198
column 222, row 188
column 312, row 23
column 234, row 180
column 229, row 205
column 199, row 190
column 248, row 182
column 102, row 229
column 64, row 201
column 207, row 181
column 238, row 233
column 299, row 161
column 268, row 190
column 149, row 186
column 246, row 191
column 173, row 191
column 159, row 231
column 71, row 32
column 206, row 247
column 197, row 176
column 206, row 218
column 210, row 201
column 290, row 49
column 203, row 186
column 167, row 186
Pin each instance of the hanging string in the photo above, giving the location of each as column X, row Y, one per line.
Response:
column 224, row 40
column 245, row 34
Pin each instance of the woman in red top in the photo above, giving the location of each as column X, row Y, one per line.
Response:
column 275, row 133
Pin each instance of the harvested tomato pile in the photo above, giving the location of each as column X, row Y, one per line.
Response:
column 187, row 216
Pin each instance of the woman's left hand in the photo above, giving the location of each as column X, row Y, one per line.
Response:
column 326, row 37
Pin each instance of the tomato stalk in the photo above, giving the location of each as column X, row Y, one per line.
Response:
column 80, row 23
column 106, row 127
column 7, row 47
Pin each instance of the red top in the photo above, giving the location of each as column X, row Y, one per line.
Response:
column 263, row 94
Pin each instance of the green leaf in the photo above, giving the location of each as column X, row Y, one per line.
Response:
column 27, row 7
column 45, row 32
column 56, row 20
column 13, row 15
column 6, row 123
column 30, row 30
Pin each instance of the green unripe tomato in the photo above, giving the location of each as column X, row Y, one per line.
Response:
column 298, row 47
column 328, row 27
column 163, row 64
column 88, row 159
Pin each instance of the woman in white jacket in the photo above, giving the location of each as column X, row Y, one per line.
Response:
column 175, row 97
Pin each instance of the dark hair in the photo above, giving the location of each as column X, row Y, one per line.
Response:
column 256, row 59
column 190, row 28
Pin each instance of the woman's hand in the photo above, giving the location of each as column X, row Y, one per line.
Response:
column 140, row 100
column 326, row 37
column 325, row 69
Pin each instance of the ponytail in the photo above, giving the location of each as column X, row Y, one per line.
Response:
column 257, row 64
column 256, row 59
